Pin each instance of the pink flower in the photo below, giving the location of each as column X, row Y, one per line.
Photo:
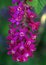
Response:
column 21, row 39
column 20, row 45
column 34, row 25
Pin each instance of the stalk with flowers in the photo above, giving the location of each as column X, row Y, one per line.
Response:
column 23, row 31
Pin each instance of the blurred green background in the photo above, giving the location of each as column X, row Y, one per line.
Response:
column 39, row 58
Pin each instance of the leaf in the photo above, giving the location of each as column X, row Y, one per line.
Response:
column 37, row 4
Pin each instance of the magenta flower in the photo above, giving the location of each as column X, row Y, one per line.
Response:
column 20, row 45
column 34, row 25
column 31, row 14
column 21, row 39
column 16, row 13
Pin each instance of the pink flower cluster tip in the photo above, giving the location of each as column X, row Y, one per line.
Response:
column 22, row 33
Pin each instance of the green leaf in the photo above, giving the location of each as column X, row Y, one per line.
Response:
column 37, row 4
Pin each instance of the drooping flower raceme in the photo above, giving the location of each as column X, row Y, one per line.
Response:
column 23, row 32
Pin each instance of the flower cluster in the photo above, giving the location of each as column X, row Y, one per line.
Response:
column 22, row 33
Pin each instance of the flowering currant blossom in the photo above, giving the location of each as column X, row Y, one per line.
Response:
column 21, row 38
